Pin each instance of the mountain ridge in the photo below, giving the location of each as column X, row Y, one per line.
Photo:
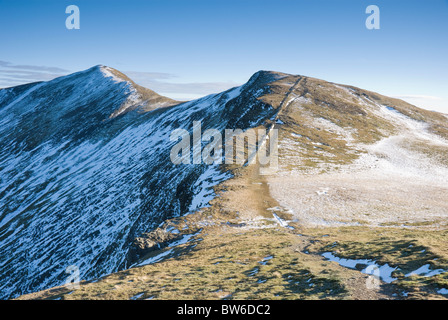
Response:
column 62, row 156
column 85, row 178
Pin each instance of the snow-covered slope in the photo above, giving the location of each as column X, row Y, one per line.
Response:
column 84, row 170
column 350, row 157
column 85, row 162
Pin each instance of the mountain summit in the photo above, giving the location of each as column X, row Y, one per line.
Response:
column 85, row 169
column 86, row 181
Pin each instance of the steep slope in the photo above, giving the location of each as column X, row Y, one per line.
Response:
column 122, row 204
column 84, row 170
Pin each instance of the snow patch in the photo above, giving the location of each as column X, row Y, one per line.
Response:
column 425, row 271
column 442, row 291
column 156, row 258
column 203, row 187
column 385, row 271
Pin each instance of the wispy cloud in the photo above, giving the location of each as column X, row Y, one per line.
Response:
column 417, row 97
column 6, row 64
column 163, row 83
column 439, row 104
column 15, row 74
column 142, row 75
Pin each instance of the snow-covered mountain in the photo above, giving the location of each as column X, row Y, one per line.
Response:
column 85, row 169
column 85, row 164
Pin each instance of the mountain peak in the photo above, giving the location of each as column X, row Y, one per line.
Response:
column 265, row 76
column 73, row 181
column 136, row 96
column 146, row 98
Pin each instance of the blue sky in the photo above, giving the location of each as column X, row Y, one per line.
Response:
column 190, row 48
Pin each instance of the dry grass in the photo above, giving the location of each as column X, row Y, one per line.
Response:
column 227, row 259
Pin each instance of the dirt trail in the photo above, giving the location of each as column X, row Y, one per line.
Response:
column 247, row 203
column 248, row 194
